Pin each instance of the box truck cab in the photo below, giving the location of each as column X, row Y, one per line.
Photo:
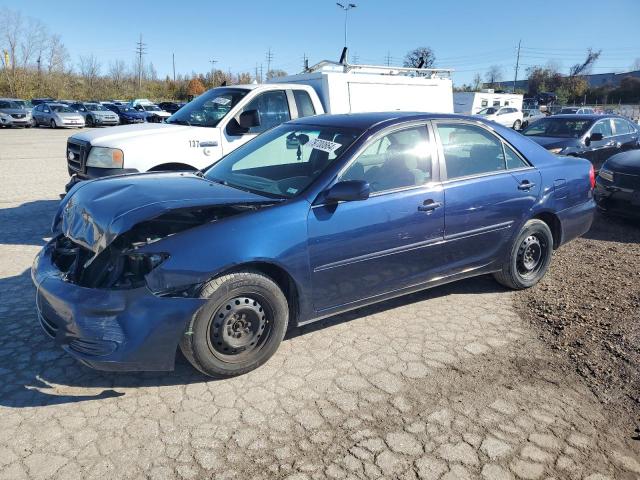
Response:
column 224, row 118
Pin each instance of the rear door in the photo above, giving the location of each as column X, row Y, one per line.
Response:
column 602, row 149
column 489, row 191
column 626, row 134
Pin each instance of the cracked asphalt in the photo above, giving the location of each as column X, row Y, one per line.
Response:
column 449, row 383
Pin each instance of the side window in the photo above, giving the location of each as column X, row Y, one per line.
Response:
column 621, row 126
column 272, row 108
column 496, row 103
column 512, row 158
column 485, row 103
column 470, row 150
column 398, row 160
column 303, row 103
column 603, row 127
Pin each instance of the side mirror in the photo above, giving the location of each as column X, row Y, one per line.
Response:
column 595, row 137
column 249, row 118
column 348, row 191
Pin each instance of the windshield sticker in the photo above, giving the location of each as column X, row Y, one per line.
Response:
column 292, row 190
column 323, row 145
column 221, row 101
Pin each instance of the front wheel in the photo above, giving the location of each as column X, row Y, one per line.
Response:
column 517, row 124
column 52, row 123
column 239, row 328
column 89, row 121
column 529, row 258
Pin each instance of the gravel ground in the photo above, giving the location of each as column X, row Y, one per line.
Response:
column 450, row 384
column 588, row 307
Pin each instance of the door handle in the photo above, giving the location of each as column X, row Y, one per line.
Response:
column 526, row 185
column 429, row 206
column 213, row 143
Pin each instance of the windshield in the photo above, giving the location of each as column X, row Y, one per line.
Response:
column 487, row 111
column 61, row 109
column 284, row 161
column 8, row 104
column 151, row 108
column 558, row 127
column 95, row 107
column 125, row 108
column 209, row 108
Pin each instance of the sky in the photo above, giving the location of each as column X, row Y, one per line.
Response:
column 467, row 36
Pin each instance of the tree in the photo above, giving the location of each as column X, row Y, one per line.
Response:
column 477, row 81
column 493, row 75
column 117, row 72
column 89, row 69
column 275, row 74
column 195, row 87
column 421, row 57
column 635, row 65
column 585, row 67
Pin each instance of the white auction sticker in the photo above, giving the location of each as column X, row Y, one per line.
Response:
column 323, row 145
column 221, row 101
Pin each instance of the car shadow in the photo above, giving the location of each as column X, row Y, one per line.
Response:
column 36, row 373
column 27, row 224
column 614, row 229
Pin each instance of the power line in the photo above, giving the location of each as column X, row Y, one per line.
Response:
column 515, row 78
column 141, row 50
column 269, row 57
column 387, row 59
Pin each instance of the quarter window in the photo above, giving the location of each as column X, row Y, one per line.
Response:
column 470, row 150
column 272, row 108
column 621, row 126
column 513, row 160
column 303, row 103
column 603, row 127
column 398, row 160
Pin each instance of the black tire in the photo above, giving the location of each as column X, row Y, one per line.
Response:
column 89, row 121
column 52, row 123
column 529, row 257
column 517, row 124
column 525, row 124
column 239, row 328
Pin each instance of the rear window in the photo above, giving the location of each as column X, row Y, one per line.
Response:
column 303, row 103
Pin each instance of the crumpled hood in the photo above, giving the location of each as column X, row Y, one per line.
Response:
column 94, row 213
column 625, row 162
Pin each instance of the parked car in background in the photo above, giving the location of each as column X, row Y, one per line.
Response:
column 577, row 111
column 506, row 116
column 56, row 115
column 144, row 105
column 286, row 230
column 546, row 98
column 12, row 114
column 530, row 115
column 127, row 114
column 95, row 114
column 618, row 185
column 38, row 101
column 171, row 107
column 595, row 137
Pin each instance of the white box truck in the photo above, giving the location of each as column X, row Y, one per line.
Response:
column 222, row 119
column 470, row 103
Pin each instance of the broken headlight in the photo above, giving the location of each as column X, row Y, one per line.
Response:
column 136, row 266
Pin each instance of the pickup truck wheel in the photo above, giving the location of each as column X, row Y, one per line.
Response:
column 239, row 328
column 52, row 123
column 517, row 124
column 529, row 258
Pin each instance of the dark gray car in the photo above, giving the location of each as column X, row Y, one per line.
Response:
column 13, row 114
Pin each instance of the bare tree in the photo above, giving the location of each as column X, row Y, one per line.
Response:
column 636, row 64
column 56, row 55
column 89, row 69
column 118, row 72
column 585, row 67
column 276, row 73
column 493, row 75
column 422, row 57
column 477, row 81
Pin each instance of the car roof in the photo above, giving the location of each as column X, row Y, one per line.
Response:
column 583, row 116
column 370, row 119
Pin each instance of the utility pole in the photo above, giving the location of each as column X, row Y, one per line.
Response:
column 305, row 62
column 173, row 59
column 515, row 79
column 260, row 74
column 141, row 49
column 346, row 9
column 387, row 59
column 257, row 73
column 213, row 63
column 269, row 57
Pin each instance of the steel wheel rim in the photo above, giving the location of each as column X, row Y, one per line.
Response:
column 531, row 255
column 239, row 328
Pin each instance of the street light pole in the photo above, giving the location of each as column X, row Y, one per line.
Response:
column 346, row 9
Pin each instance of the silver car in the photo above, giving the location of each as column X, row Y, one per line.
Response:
column 13, row 114
column 56, row 115
column 95, row 114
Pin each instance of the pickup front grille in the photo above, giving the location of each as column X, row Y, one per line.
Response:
column 624, row 180
column 77, row 151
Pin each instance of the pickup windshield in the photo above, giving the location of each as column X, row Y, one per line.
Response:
column 283, row 162
column 209, row 108
column 557, row 127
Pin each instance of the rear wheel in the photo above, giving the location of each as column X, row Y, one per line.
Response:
column 517, row 124
column 89, row 121
column 52, row 123
column 239, row 328
column 529, row 258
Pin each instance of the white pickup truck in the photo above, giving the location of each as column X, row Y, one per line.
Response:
column 224, row 118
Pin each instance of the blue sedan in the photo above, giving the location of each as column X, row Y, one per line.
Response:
column 315, row 217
